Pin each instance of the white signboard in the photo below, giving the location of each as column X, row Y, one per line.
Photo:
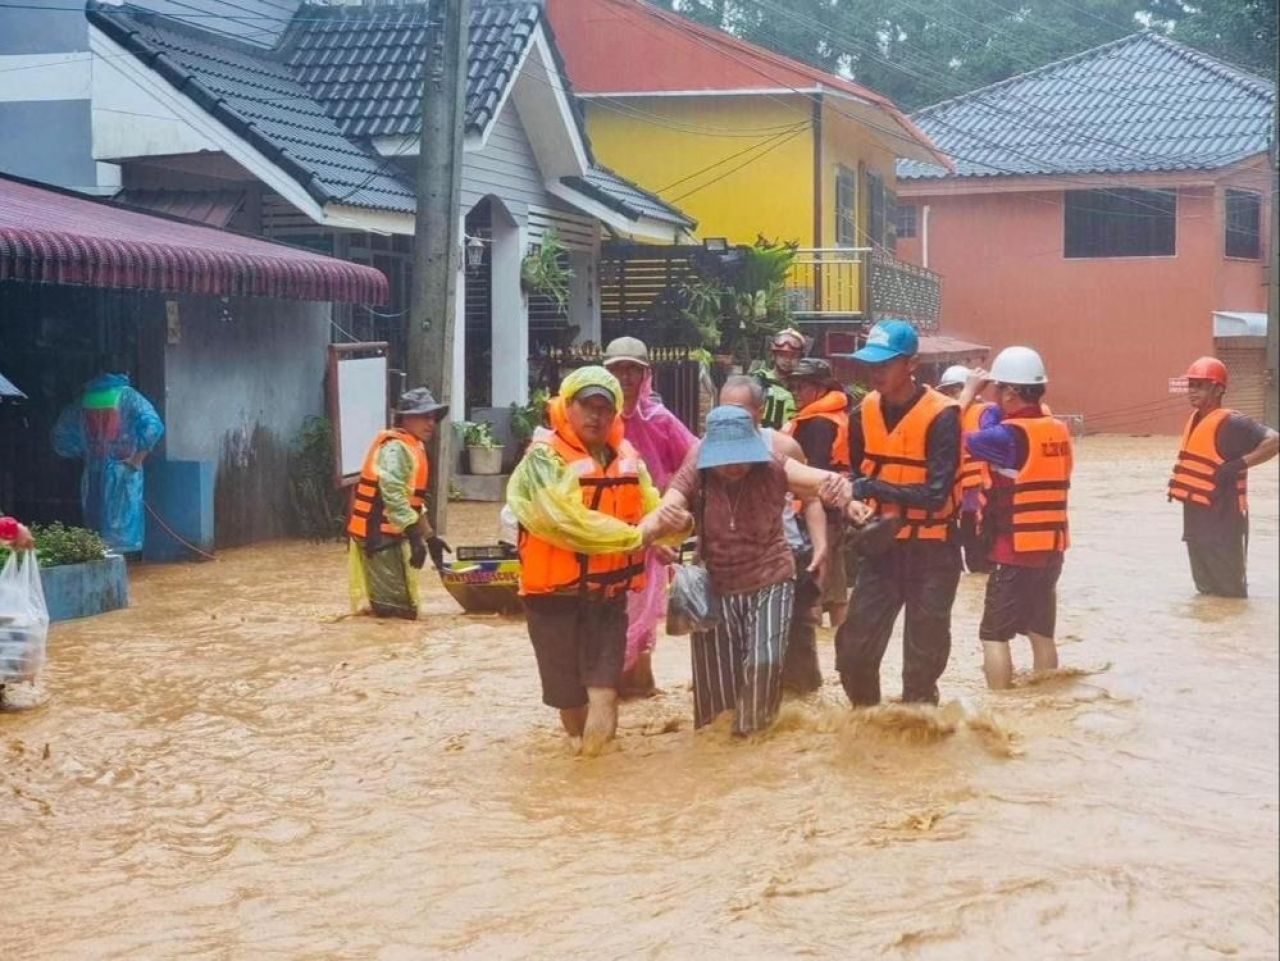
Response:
column 362, row 408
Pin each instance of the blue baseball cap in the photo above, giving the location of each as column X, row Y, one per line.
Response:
column 731, row 438
column 889, row 339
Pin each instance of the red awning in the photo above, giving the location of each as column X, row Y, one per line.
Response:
column 53, row 237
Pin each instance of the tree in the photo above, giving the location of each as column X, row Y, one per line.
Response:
column 919, row 52
column 1242, row 32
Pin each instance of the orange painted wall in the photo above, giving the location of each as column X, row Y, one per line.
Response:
column 1112, row 331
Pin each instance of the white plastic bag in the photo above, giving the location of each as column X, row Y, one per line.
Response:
column 24, row 618
column 692, row 604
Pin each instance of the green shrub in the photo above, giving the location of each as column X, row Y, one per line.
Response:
column 319, row 506
column 58, row 545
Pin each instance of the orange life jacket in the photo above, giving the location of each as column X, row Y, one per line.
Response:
column 900, row 456
column 366, row 504
column 1033, row 508
column 1195, row 471
column 832, row 406
column 974, row 474
column 613, row 490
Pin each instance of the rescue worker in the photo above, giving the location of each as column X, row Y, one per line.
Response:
column 113, row 428
column 662, row 442
column 801, row 672
column 1218, row 448
column 587, row 511
column 1029, row 454
column 821, row 428
column 905, row 455
column 787, row 347
column 388, row 528
column 975, row 475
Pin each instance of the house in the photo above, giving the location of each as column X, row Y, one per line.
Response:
column 752, row 143
column 225, row 334
column 299, row 123
column 1104, row 209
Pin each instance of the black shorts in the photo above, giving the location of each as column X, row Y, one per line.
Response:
column 1020, row 600
column 579, row 644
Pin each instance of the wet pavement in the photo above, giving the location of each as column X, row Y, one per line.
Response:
column 233, row 768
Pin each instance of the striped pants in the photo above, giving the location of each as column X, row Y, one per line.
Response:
column 738, row 665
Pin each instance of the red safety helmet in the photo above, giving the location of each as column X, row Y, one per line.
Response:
column 1208, row 368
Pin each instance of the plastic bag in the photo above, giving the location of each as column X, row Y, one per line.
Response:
column 692, row 604
column 24, row 618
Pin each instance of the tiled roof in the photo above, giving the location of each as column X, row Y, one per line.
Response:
column 257, row 95
column 259, row 22
column 340, row 76
column 1143, row 103
column 365, row 63
column 617, row 193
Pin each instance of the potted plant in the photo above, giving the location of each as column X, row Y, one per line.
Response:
column 543, row 270
column 80, row 577
column 526, row 418
column 484, row 453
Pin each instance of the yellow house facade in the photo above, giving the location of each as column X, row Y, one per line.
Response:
column 747, row 142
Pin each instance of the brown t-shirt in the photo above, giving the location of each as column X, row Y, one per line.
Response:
column 743, row 544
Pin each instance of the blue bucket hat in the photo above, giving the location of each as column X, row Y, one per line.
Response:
column 889, row 339
column 731, row 438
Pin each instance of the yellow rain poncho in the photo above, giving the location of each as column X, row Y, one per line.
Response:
column 546, row 497
column 383, row 577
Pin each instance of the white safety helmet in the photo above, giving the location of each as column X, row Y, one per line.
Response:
column 955, row 375
column 1019, row 366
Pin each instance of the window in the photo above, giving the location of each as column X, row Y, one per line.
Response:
column 846, row 207
column 1244, row 224
column 1120, row 223
column 906, row 221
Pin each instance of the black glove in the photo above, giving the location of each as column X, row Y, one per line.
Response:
column 436, row 547
column 417, row 546
column 1229, row 471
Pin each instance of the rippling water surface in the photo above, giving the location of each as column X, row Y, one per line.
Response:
column 234, row 769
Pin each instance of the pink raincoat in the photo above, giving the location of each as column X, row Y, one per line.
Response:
column 663, row 441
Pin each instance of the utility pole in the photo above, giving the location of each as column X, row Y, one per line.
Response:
column 1271, row 400
column 437, row 244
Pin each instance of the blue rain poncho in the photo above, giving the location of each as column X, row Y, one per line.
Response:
column 109, row 425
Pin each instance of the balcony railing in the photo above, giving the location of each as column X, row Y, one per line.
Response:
column 841, row 283
column 828, row 282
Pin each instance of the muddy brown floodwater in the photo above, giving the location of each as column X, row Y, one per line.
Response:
column 232, row 769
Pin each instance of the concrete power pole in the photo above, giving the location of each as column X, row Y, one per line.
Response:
column 1271, row 403
column 437, row 245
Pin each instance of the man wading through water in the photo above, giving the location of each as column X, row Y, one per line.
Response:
column 587, row 510
column 1218, row 447
column 801, row 672
column 905, row 451
column 390, row 536
column 975, row 474
column 1030, row 459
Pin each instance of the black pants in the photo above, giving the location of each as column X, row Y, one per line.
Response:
column 974, row 543
column 921, row 576
column 801, row 672
column 1218, row 565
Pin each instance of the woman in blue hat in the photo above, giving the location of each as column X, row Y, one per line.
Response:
column 738, row 488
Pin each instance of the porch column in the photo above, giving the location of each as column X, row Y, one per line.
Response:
column 584, row 294
column 458, row 388
column 509, row 315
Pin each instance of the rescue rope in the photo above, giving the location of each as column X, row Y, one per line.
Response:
column 175, row 535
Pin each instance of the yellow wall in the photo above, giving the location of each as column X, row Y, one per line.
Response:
column 747, row 174
column 845, row 141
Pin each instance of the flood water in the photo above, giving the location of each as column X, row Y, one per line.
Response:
column 233, row 769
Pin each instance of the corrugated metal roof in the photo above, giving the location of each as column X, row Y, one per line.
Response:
column 212, row 207
column 1140, row 104
column 56, row 237
column 341, row 76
